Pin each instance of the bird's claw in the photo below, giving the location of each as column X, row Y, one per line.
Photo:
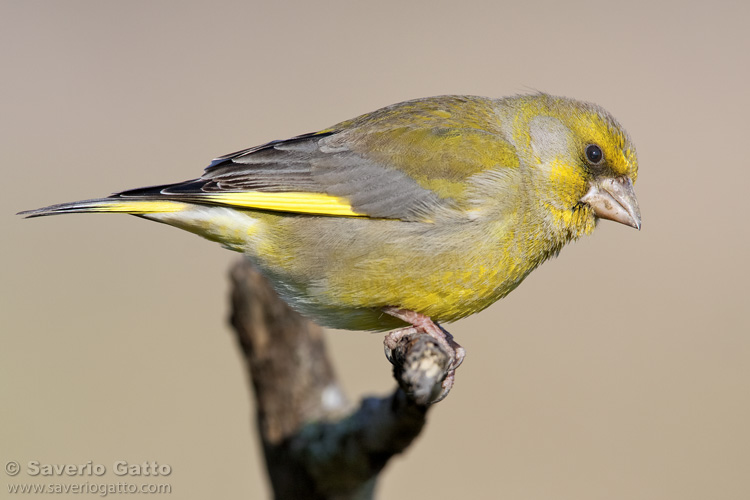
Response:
column 423, row 324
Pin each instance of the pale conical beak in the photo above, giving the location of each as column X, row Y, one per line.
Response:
column 614, row 199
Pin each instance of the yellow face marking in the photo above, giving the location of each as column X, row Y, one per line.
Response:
column 308, row 203
column 567, row 182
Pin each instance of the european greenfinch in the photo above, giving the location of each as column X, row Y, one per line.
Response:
column 421, row 212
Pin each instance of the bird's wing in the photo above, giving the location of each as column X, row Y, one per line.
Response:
column 383, row 168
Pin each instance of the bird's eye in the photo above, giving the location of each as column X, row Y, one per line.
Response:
column 594, row 154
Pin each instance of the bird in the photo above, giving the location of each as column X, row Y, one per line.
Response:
column 411, row 216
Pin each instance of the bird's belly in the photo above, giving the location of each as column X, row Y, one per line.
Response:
column 341, row 272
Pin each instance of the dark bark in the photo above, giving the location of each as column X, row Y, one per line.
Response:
column 316, row 444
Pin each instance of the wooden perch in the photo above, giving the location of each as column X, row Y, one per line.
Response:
column 316, row 444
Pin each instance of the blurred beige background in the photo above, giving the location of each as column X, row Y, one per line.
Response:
column 620, row 370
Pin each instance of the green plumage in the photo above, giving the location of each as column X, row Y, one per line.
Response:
column 457, row 200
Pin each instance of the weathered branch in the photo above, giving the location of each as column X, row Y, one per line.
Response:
column 316, row 444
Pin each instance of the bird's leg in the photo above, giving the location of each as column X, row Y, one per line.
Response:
column 424, row 324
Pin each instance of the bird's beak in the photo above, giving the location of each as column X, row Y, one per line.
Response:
column 614, row 199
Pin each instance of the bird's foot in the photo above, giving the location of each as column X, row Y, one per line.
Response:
column 423, row 324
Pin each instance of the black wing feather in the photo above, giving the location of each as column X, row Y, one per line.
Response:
column 300, row 165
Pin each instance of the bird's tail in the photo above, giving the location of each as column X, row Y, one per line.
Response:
column 226, row 225
column 112, row 204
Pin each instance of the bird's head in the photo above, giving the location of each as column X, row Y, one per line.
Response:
column 581, row 159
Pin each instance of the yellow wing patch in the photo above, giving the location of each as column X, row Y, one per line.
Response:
column 307, row 203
